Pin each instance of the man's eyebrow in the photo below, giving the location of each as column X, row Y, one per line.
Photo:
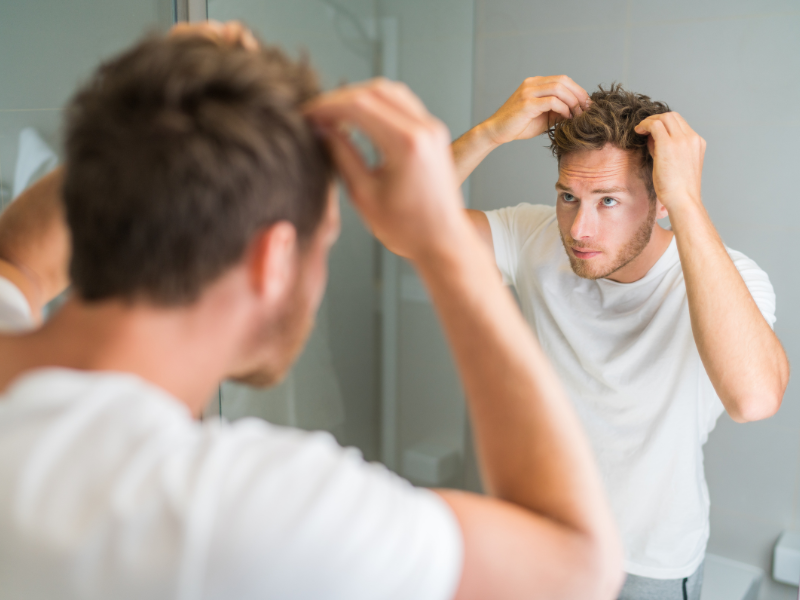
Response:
column 611, row 190
column 561, row 186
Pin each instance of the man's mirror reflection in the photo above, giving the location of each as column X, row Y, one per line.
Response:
column 187, row 239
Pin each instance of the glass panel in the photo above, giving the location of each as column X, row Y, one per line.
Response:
column 334, row 385
column 376, row 372
column 47, row 48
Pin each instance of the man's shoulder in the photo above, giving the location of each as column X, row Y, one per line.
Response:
column 522, row 221
column 526, row 211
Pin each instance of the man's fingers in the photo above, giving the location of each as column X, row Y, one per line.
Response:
column 684, row 126
column 645, row 127
column 399, row 95
column 235, row 33
column 231, row 33
column 563, row 87
column 389, row 128
column 655, row 127
column 349, row 161
column 579, row 93
column 563, row 93
column 554, row 105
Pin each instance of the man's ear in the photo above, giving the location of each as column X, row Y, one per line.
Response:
column 273, row 261
column 661, row 210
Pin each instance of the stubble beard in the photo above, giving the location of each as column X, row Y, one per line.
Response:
column 626, row 255
column 287, row 334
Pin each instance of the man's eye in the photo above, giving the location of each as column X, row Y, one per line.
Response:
column 568, row 197
column 609, row 202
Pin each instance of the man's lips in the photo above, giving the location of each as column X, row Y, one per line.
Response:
column 585, row 253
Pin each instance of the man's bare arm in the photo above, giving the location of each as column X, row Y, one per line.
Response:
column 530, row 111
column 547, row 531
column 35, row 243
column 480, row 221
column 741, row 354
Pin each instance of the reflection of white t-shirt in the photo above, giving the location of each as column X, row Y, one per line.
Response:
column 109, row 489
column 626, row 355
column 15, row 312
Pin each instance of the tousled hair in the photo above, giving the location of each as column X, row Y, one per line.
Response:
column 610, row 119
column 178, row 152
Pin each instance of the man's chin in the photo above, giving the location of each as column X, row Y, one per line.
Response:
column 259, row 379
column 584, row 270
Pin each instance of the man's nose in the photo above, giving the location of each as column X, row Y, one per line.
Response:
column 585, row 223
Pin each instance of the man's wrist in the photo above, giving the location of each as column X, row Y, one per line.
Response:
column 450, row 246
column 483, row 136
column 685, row 211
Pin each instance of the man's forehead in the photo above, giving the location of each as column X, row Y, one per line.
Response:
column 599, row 167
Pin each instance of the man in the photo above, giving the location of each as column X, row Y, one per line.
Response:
column 34, row 253
column 654, row 331
column 201, row 211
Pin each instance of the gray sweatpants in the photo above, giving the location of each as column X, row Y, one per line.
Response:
column 644, row 588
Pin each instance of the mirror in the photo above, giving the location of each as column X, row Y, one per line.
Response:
column 377, row 373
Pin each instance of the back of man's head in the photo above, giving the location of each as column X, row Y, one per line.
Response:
column 178, row 152
column 610, row 119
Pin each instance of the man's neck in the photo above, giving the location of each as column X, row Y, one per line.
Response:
column 641, row 265
column 186, row 352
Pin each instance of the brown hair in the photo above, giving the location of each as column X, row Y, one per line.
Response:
column 178, row 152
column 610, row 119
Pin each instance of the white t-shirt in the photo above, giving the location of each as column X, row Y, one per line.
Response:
column 109, row 489
column 627, row 357
column 15, row 312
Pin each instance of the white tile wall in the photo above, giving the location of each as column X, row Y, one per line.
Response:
column 732, row 68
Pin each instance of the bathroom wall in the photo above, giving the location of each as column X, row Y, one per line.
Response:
column 46, row 48
column 732, row 69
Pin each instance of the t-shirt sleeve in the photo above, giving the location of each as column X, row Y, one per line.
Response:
column 301, row 517
column 757, row 281
column 15, row 313
column 512, row 227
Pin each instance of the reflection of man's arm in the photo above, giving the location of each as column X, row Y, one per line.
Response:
column 536, row 106
column 34, row 242
column 548, row 531
column 741, row 354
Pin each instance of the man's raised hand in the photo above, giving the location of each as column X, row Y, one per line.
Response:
column 231, row 33
column 411, row 200
column 678, row 153
column 538, row 104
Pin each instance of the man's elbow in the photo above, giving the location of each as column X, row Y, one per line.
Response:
column 756, row 407
column 600, row 563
